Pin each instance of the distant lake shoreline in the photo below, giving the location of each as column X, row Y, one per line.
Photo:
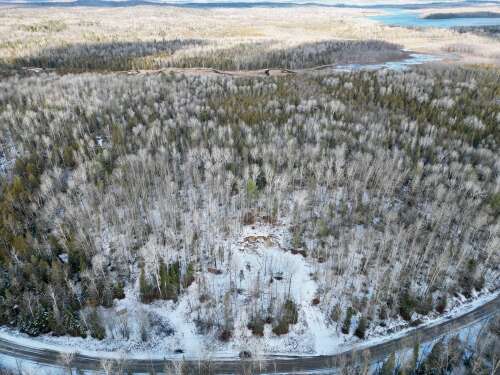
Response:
column 405, row 18
column 247, row 4
column 443, row 16
column 405, row 14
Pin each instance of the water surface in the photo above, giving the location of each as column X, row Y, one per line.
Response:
column 401, row 17
column 413, row 59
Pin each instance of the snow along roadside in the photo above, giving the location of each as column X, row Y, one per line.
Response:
column 15, row 337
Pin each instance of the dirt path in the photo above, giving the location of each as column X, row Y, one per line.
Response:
column 409, row 59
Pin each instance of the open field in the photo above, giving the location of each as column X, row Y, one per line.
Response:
column 156, row 36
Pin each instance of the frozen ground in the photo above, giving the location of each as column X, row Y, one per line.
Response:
column 28, row 367
column 468, row 335
column 414, row 59
column 8, row 155
column 262, row 265
column 259, row 256
column 3, row 164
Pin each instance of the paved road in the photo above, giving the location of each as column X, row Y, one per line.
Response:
column 377, row 352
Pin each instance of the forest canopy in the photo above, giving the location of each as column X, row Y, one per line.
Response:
column 387, row 183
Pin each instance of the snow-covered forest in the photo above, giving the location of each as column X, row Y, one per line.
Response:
column 468, row 354
column 282, row 213
column 200, row 53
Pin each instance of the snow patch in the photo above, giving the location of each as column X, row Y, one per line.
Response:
column 261, row 269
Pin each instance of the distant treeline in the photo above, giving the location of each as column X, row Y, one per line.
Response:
column 197, row 53
column 444, row 16
column 491, row 31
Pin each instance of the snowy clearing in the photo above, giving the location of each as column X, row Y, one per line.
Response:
column 261, row 263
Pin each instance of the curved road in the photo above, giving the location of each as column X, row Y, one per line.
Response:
column 289, row 364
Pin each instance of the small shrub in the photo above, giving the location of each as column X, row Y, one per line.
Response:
column 289, row 315
column 323, row 229
column 95, row 326
column 188, row 277
column 494, row 204
column 290, row 312
column 256, row 325
column 147, row 292
column 225, row 335
column 361, row 328
column 336, row 313
column 479, row 283
column 261, row 181
column 245, row 354
column 252, row 189
column 406, row 305
column 441, row 306
column 382, row 314
column 424, row 306
column 118, row 292
column 35, row 325
column 73, row 325
column 346, row 326
column 249, row 218
column 281, row 328
column 46, row 27
column 416, row 322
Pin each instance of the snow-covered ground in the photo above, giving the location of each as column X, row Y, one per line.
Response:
column 262, row 269
column 27, row 367
column 412, row 60
column 459, row 309
column 3, row 164
column 263, row 266
column 8, row 155
column 468, row 335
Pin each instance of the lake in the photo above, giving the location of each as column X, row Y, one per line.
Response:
column 397, row 13
column 399, row 17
